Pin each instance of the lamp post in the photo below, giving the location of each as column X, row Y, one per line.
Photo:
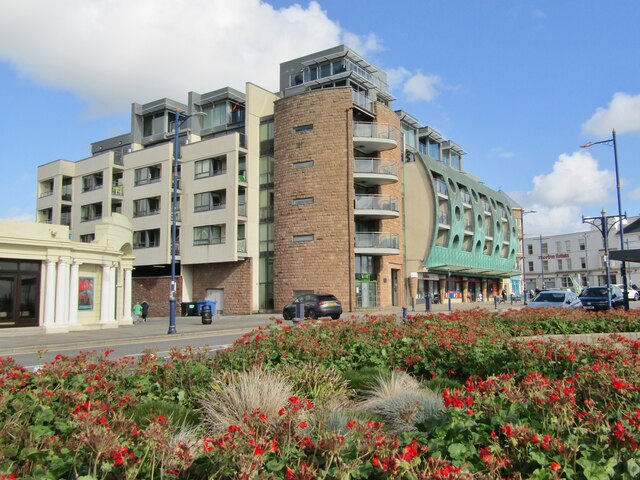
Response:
column 524, row 278
column 180, row 118
column 623, row 264
column 604, row 226
column 541, row 263
column 449, row 287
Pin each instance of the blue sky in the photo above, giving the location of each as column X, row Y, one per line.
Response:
column 518, row 85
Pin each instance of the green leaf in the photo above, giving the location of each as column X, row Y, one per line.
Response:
column 633, row 468
column 458, row 451
column 275, row 465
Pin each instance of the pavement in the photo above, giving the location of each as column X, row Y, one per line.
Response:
column 33, row 339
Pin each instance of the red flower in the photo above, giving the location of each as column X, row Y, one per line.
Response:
column 350, row 424
column 258, row 450
column 554, row 466
column 303, row 425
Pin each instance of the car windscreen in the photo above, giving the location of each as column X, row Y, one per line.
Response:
column 594, row 292
column 554, row 297
column 327, row 298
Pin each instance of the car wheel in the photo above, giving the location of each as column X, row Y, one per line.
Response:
column 335, row 317
column 312, row 314
column 286, row 315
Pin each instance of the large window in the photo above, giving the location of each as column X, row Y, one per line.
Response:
column 146, row 175
column 146, row 206
column 433, row 149
column 146, row 238
column 209, row 200
column 92, row 182
column 91, row 212
column 154, row 123
column 210, row 167
column 208, row 235
column 222, row 113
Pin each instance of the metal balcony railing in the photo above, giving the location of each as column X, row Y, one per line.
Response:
column 441, row 187
column 242, row 209
column 375, row 130
column 376, row 202
column 443, row 219
column 242, row 245
column 377, row 240
column 376, row 166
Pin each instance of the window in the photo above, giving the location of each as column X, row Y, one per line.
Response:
column 92, row 182
column 566, row 282
column 208, row 235
column 456, row 161
column 91, row 212
column 433, row 149
column 583, row 243
column 146, row 206
column 209, row 200
column 210, row 167
column 558, row 247
column 568, row 264
column 559, row 264
column 303, row 201
column 145, row 175
column 545, row 249
column 146, row 238
column 529, row 249
column 308, row 237
column 88, row 238
column 583, row 262
column 303, row 128
column 567, row 245
column 305, row 164
column 530, row 266
column 545, row 265
column 154, row 124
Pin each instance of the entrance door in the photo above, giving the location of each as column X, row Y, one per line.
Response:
column 394, row 287
column 19, row 292
column 216, row 294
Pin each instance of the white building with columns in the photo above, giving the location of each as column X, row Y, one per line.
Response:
column 50, row 282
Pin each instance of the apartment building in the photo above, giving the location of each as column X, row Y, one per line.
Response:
column 578, row 259
column 320, row 187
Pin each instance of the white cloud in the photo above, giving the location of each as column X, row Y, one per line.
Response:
column 622, row 114
column 575, row 180
column 422, row 87
column 113, row 52
column 552, row 220
column 635, row 194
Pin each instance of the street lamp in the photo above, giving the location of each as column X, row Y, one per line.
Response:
column 524, row 279
column 623, row 265
column 179, row 120
column 541, row 263
column 449, row 287
column 604, row 226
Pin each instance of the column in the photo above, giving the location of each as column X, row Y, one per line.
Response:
column 465, row 290
column 62, row 294
column 127, row 295
column 112, row 294
column 50, row 294
column 74, row 281
column 104, row 294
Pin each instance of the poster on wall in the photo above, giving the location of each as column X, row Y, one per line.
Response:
column 85, row 293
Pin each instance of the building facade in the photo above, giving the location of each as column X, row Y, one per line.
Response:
column 51, row 282
column 320, row 187
column 577, row 259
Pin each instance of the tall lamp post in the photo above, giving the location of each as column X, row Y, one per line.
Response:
column 524, row 278
column 541, row 263
column 449, row 288
column 623, row 265
column 179, row 120
column 603, row 224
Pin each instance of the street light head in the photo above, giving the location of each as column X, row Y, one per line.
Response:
column 586, row 145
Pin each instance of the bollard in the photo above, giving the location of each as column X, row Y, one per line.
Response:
column 404, row 312
column 428, row 303
column 495, row 302
column 413, row 304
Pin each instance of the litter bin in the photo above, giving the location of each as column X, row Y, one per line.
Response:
column 205, row 313
column 210, row 303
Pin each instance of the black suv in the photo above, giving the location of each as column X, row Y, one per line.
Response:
column 597, row 298
column 315, row 305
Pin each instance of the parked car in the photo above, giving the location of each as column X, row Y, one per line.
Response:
column 315, row 306
column 632, row 290
column 596, row 298
column 555, row 299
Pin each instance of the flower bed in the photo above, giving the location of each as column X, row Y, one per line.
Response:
column 281, row 404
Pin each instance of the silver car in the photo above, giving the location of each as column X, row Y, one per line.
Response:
column 633, row 293
column 555, row 299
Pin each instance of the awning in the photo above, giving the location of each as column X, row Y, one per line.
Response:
column 625, row 255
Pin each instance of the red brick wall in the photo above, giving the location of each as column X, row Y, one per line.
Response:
column 155, row 291
column 324, row 265
column 233, row 277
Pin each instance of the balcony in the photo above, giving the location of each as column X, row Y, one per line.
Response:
column 377, row 243
column 242, row 245
column 375, row 171
column 242, row 210
column 117, row 191
column 374, row 137
column 376, row 206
